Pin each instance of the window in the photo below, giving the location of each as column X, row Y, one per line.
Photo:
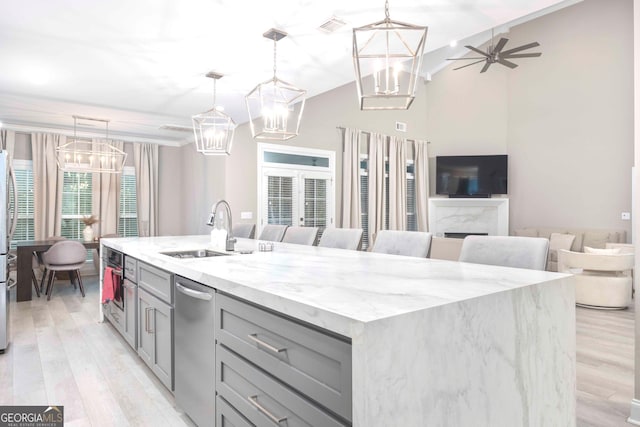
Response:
column 23, row 170
column 76, row 203
column 128, row 216
column 412, row 224
column 296, row 186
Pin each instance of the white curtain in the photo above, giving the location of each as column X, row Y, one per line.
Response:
column 376, row 171
column 106, row 195
column 8, row 142
column 421, row 176
column 397, row 183
column 351, row 209
column 145, row 157
column 47, row 185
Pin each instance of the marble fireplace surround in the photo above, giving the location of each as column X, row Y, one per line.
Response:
column 474, row 216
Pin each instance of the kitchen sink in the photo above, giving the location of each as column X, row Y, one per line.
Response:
column 196, row 253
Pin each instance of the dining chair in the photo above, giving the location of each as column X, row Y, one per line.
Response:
column 39, row 264
column 341, row 238
column 247, row 231
column 273, row 232
column 408, row 243
column 507, row 251
column 67, row 256
column 301, row 235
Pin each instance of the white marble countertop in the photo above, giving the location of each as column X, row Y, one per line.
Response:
column 336, row 289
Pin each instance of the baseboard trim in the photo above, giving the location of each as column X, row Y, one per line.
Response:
column 634, row 416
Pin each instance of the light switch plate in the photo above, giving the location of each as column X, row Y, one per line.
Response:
column 246, row 215
column 626, row 216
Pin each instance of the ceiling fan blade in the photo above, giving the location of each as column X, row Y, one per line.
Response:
column 468, row 65
column 519, row 48
column 521, row 55
column 486, row 67
column 475, row 49
column 507, row 63
column 464, row 59
column 500, row 45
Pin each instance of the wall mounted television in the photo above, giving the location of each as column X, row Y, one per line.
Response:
column 471, row 176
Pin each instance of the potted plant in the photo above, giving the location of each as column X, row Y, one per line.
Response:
column 88, row 220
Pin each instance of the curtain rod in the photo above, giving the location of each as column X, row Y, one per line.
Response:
column 369, row 133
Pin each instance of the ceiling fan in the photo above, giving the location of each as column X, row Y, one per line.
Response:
column 495, row 54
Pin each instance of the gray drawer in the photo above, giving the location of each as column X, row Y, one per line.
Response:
column 261, row 399
column 131, row 269
column 115, row 316
column 156, row 281
column 226, row 416
column 314, row 363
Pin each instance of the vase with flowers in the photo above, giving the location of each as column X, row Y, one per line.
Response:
column 88, row 221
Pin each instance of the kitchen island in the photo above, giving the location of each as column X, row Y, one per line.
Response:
column 433, row 343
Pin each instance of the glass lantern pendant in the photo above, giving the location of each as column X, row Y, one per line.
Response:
column 213, row 129
column 387, row 56
column 275, row 106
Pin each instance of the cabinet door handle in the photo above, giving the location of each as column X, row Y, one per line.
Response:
column 146, row 320
column 150, row 319
column 254, row 401
column 254, row 338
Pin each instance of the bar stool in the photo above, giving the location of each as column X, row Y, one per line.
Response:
column 67, row 256
column 507, row 251
column 247, row 231
column 273, row 232
column 341, row 238
column 301, row 235
column 408, row 243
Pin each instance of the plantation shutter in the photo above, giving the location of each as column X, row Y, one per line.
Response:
column 25, row 225
column 279, row 205
column 76, row 203
column 128, row 216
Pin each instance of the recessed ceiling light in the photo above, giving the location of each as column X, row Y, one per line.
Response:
column 37, row 77
column 453, row 43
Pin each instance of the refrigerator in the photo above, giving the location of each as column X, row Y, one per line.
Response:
column 7, row 225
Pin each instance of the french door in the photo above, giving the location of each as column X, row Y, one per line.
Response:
column 297, row 197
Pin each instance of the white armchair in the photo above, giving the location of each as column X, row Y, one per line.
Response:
column 602, row 281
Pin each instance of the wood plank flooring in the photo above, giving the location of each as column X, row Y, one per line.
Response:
column 60, row 354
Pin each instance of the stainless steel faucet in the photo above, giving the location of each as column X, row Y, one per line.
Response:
column 229, row 246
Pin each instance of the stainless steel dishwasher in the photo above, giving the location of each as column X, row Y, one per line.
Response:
column 195, row 350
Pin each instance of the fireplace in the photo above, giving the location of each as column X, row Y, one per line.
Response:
column 463, row 217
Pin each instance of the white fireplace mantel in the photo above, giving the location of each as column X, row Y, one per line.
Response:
column 482, row 216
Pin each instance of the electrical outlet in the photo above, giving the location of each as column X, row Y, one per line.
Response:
column 246, row 215
column 626, row 216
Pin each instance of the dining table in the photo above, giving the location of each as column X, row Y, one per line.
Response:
column 24, row 252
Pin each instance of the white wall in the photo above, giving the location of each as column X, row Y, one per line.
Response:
column 564, row 119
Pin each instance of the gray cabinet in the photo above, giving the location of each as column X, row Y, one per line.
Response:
column 129, row 325
column 155, row 321
column 312, row 368
column 227, row 416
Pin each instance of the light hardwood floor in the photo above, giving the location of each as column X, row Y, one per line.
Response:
column 60, row 354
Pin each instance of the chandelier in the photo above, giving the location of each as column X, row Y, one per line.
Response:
column 81, row 155
column 387, row 56
column 213, row 129
column 275, row 106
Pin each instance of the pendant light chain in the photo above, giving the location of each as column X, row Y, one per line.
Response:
column 386, row 11
column 214, row 92
column 275, row 44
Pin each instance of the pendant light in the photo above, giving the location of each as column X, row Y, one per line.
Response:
column 213, row 129
column 275, row 106
column 81, row 155
column 387, row 56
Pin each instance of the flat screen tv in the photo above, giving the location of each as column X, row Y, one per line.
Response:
column 470, row 176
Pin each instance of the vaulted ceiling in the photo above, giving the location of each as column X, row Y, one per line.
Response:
column 141, row 63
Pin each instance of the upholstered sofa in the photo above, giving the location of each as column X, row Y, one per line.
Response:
column 592, row 238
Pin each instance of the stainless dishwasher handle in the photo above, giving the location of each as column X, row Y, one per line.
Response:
column 253, row 400
column 205, row 296
column 254, row 337
column 12, row 284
